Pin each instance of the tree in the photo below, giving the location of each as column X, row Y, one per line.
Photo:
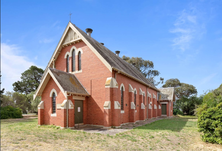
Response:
column 1, row 95
column 34, row 103
column 181, row 89
column 16, row 100
column 30, row 80
column 185, row 95
column 210, row 100
column 146, row 67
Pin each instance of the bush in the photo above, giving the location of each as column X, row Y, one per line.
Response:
column 10, row 112
column 177, row 111
column 210, row 123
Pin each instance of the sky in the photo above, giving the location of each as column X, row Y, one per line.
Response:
column 183, row 38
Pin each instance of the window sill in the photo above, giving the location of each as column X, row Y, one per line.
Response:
column 54, row 114
column 79, row 71
column 122, row 111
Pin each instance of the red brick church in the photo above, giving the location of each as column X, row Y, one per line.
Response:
column 86, row 83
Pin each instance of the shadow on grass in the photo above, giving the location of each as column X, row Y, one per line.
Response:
column 17, row 120
column 175, row 124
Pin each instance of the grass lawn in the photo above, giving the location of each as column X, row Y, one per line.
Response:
column 179, row 133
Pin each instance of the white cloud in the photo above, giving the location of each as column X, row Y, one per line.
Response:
column 13, row 64
column 188, row 27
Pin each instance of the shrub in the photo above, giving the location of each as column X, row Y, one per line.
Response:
column 177, row 111
column 10, row 112
column 210, row 123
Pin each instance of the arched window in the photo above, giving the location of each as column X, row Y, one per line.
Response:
column 122, row 97
column 73, row 60
column 79, row 60
column 67, row 63
column 53, row 102
column 135, row 97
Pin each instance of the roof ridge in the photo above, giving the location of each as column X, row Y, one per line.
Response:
column 115, row 61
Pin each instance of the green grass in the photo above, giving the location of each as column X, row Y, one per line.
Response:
column 168, row 134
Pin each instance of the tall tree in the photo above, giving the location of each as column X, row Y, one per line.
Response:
column 30, row 80
column 181, row 89
column 146, row 67
column 186, row 96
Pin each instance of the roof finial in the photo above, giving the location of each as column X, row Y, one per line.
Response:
column 70, row 17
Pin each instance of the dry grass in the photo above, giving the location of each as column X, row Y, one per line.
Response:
column 168, row 134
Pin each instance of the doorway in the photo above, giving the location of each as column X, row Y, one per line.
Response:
column 78, row 111
column 163, row 108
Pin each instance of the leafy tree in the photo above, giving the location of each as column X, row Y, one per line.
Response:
column 1, row 95
column 146, row 67
column 30, row 80
column 211, row 99
column 17, row 100
column 181, row 89
column 34, row 103
column 7, row 99
column 21, row 102
column 186, row 96
column 188, row 105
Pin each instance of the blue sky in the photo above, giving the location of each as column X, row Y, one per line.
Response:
column 182, row 38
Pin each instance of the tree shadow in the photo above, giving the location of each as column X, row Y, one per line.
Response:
column 175, row 124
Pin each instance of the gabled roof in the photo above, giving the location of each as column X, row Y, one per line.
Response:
column 69, row 82
column 111, row 61
column 167, row 94
column 115, row 61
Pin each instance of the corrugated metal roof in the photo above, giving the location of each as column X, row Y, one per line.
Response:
column 69, row 82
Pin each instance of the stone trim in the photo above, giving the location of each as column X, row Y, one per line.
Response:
column 73, row 47
column 150, row 106
column 159, row 107
column 111, row 83
column 53, row 115
column 140, row 91
column 149, row 94
column 78, row 98
column 67, row 53
column 130, row 88
column 107, row 105
column 122, row 85
column 53, row 90
column 41, row 105
column 154, row 96
column 70, row 104
column 133, row 106
column 117, row 105
column 142, row 106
